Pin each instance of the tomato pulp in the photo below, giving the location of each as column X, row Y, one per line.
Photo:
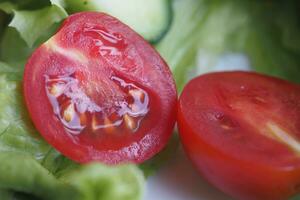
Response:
column 97, row 90
column 242, row 132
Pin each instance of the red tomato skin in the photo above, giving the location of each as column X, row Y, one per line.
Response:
column 159, row 81
column 241, row 179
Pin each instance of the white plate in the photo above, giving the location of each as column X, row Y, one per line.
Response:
column 178, row 180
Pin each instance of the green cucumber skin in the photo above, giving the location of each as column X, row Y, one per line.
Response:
column 170, row 12
column 73, row 6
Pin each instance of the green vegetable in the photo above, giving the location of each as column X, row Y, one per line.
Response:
column 179, row 46
column 22, row 173
column 13, row 49
column 17, row 133
column 31, row 24
column 7, row 7
column 265, row 33
column 11, row 74
column 98, row 182
column 151, row 19
column 297, row 197
column 22, row 176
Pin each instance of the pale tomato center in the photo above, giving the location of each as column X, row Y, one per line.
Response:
column 269, row 122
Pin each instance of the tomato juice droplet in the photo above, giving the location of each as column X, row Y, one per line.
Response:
column 106, row 44
column 72, row 106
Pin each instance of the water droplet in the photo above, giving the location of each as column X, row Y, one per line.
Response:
column 77, row 111
column 108, row 43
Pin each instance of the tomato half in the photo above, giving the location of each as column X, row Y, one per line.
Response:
column 98, row 91
column 242, row 132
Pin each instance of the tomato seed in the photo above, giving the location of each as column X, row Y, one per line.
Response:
column 109, row 126
column 69, row 113
column 83, row 119
column 137, row 95
column 129, row 122
column 258, row 99
column 57, row 89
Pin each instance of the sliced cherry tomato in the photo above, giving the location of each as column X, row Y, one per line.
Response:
column 242, row 132
column 98, row 91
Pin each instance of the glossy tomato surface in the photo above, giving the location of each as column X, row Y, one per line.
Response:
column 242, row 132
column 98, row 91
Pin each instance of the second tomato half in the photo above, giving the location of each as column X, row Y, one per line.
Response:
column 242, row 132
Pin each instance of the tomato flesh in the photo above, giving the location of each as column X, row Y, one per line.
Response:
column 241, row 130
column 97, row 91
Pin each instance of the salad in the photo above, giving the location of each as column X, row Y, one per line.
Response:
column 193, row 36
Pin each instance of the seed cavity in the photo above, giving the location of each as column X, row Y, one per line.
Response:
column 78, row 112
column 107, row 125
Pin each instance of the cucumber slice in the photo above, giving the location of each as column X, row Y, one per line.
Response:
column 149, row 18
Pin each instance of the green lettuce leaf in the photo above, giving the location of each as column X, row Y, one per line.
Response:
column 17, row 133
column 22, row 177
column 264, row 34
column 13, row 49
column 297, row 197
column 273, row 43
column 28, row 4
column 6, row 194
column 32, row 24
column 99, row 182
column 179, row 46
column 60, row 3
column 10, row 72
column 7, row 7
column 22, row 173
